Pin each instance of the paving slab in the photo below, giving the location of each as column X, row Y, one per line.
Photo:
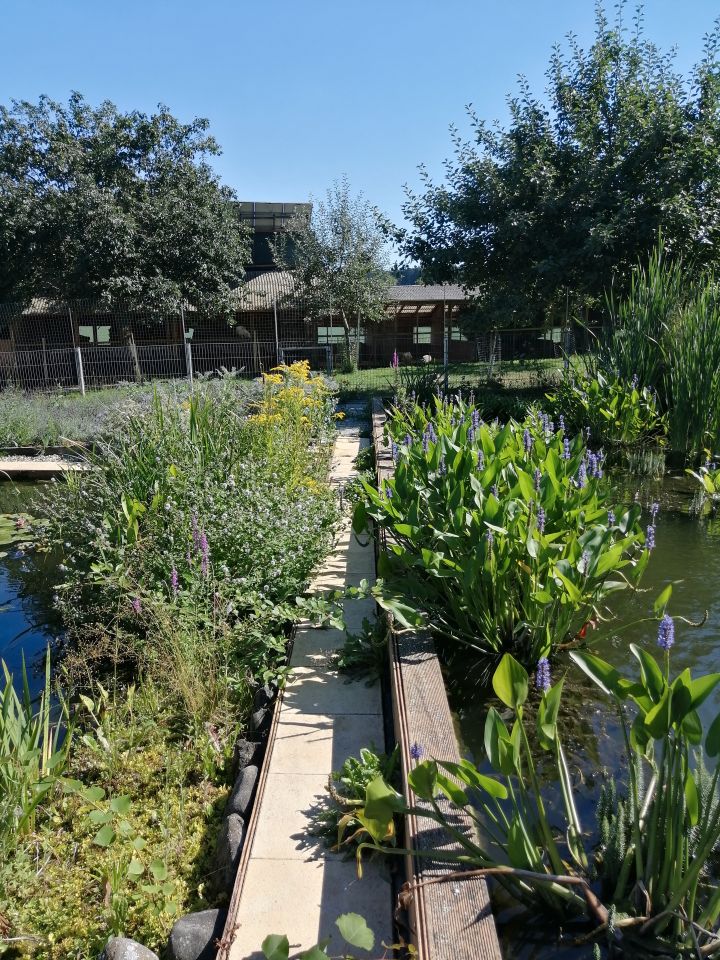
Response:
column 292, row 883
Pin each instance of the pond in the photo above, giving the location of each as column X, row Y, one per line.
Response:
column 688, row 555
column 28, row 622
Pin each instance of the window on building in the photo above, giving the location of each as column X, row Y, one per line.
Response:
column 456, row 333
column 94, row 334
column 422, row 334
column 326, row 335
column 87, row 333
column 102, row 334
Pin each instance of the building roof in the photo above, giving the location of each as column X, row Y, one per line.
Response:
column 260, row 292
column 427, row 293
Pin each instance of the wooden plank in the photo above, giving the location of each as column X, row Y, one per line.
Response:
column 451, row 920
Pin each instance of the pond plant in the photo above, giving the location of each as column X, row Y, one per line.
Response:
column 647, row 882
column 500, row 538
column 182, row 551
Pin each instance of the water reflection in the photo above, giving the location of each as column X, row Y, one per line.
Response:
column 27, row 578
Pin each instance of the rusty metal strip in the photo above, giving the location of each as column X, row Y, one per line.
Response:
column 450, row 921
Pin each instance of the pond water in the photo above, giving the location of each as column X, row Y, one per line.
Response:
column 27, row 578
column 687, row 554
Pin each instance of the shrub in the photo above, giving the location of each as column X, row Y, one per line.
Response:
column 500, row 538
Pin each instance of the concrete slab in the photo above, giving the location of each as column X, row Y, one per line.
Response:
column 292, row 882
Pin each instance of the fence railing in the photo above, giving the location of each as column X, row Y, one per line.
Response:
column 362, row 365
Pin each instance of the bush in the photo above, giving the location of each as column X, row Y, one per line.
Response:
column 500, row 538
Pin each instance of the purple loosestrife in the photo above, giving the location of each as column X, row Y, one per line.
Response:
column 204, row 554
column 666, row 632
column 395, row 360
column 542, row 675
column 136, row 605
column 174, row 581
column 195, row 532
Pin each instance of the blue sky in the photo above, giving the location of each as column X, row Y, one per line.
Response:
column 300, row 92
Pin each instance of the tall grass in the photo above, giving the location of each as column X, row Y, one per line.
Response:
column 665, row 335
column 33, row 753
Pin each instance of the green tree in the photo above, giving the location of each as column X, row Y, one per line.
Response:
column 561, row 204
column 99, row 203
column 338, row 256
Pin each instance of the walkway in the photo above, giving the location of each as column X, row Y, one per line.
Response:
column 293, row 884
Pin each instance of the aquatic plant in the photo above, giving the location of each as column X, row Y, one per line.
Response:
column 499, row 538
column 656, row 838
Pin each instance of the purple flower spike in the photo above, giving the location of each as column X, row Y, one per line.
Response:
column 136, row 604
column 537, row 478
column 654, row 511
column 566, row 449
column 561, row 424
column 174, row 581
column 527, row 441
column 542, row 674
column 611, row 518
column 666, row 632
column 490, row 538
column 204, row 554
column 195, row 532
column 541, row 520
column 582, row 475
column 395, row 360
column 650, row 537
column 416, row 751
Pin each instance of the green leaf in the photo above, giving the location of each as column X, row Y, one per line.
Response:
column 422, row 780
column 662, row 599
column 105, row 836
column 548, row 714
column 135, row 869
column 355, row 931
column 600, row 672
column 100, row 816
column 691, row 799
column 712, row 742
column 120, row 805
column 314, row 953
column 652, row 676
column 93, row 794
column 276, row 947
column 159, row 870
column 657, row 720
column 469, row 774
column 510, row 682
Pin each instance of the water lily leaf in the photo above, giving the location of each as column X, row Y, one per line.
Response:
column 355, row 931
column 276, row 947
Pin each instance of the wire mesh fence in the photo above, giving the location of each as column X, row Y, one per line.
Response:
column 80, row 345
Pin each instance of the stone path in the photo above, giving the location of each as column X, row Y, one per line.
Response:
column 293, row 884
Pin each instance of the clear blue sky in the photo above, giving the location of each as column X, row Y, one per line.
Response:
column 300, row 92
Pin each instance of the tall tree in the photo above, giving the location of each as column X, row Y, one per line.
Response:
column 99, row 203
column 560, row 205
column 338, row 256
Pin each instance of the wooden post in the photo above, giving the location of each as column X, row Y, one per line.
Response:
column 134, row 355
column 188, row 361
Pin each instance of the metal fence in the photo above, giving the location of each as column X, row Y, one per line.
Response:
column 80, row 345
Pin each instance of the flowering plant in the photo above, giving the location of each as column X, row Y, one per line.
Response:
column 501, row 539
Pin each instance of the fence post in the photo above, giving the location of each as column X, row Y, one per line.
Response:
column 446, row 377
column 80, row 372
column 329, row 359
column 188, row 361
column 277, row 338
column 45, row 363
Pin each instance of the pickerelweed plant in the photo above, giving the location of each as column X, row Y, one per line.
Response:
column 499, row 538
column 708, row 476
column 649, row 877
column 618, row 413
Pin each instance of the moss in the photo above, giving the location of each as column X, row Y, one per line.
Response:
column 66, row 893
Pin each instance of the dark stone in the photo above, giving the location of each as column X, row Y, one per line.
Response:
column 242, row 792
column 245, row 754
column 260, row 720
column 120, row 948
column 230, row 841
column 263, row 697
column 195, row 936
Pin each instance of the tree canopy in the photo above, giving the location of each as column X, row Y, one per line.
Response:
column 99, row 203
column 338, row 255
column 561, row 204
